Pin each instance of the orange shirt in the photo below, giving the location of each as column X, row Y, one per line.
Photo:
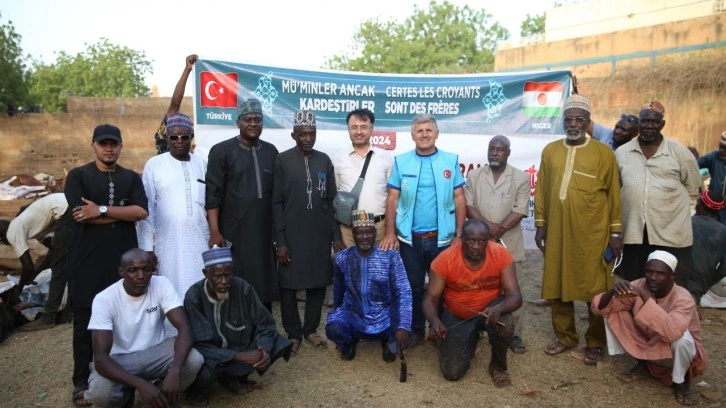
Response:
column 468, row 291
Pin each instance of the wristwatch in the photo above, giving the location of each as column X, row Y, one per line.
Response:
column 103, row 210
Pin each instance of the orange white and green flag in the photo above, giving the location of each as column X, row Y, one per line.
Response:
column 542, row 99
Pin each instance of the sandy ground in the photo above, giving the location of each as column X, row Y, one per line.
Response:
column 37, row 369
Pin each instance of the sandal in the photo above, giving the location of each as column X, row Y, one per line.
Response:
column 79, row 397
column 295, row 346
column 638, row 372
column 556, row 348
column 500, row 378
column 686, row 397
column 317, row 341
column 593, row 355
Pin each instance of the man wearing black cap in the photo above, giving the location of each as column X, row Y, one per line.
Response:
column 107, row 200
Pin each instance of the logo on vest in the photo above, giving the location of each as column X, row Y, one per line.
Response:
column 447, row 173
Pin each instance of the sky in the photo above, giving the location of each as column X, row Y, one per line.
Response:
column 281, row 33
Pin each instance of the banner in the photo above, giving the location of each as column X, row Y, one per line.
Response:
column 469, row 109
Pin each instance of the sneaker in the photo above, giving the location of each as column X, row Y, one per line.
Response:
column 387, row 355
column 350, row 353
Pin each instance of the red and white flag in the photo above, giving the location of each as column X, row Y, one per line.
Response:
column 542, row 99
column 218, row 90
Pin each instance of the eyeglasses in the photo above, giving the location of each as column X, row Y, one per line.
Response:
column 579, row 120
column 183, row 137
column 362, row 128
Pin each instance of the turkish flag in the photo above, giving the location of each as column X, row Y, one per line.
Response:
column 219, row 90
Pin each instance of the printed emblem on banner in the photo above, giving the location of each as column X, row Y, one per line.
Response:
column 218, row 90
column 266, row 92
column 542, row 99
column 494, row 100
column 447, row 173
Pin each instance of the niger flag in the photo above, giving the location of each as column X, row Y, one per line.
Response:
column 542, row 99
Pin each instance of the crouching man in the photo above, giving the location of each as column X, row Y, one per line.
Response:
column 233, row 329
column 655, row 321
column 129, row 349
column 471, row 276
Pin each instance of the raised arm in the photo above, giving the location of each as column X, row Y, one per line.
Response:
column 178, row 95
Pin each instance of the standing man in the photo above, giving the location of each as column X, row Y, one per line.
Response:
column 106, row 200
column 577, row 215
column 498, row 194
column 348, row 165
column 425, row 209
column 658, row 177
column 47, row 214
column 173, row 184
column 129, row 346
column 372, row 297
column 239, row 201
column 656, row 321
column 715, row 162
column 626, row 128
column 305, row 228
column 478, row 283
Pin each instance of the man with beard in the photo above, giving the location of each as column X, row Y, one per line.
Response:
column 176, row 208
column 305, row 227
column 577, row 215
column 239, row 201
column 658, row 177
column 626, row 128
column 498, row 194
column 232, row 329
column 655, row 321
column 106, row 200
column 715, row 162
column 371, row 294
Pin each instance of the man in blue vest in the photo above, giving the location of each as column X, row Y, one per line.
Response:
column 425, row 209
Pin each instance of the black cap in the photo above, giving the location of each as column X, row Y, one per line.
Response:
column 106, row 132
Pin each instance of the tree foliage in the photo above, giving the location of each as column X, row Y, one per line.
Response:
column 443, row 39
column 13, row 72
column 533, row 25
column 104, row 70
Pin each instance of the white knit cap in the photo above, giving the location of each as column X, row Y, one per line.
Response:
column 664, row 257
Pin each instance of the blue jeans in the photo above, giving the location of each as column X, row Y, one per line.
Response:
column 417, row 260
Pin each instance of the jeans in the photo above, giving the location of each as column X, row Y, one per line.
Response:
column 417, row 259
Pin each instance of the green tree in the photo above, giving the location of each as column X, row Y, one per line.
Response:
column 443, row 39
column 103, row 70
column 13, row 72
column 533, row 25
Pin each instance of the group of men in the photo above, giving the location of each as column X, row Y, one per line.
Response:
column 424, row 244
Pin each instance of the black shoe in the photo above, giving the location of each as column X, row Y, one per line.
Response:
column 387, row 355
column 350, row 354
column 517, row 346
column 414, row 340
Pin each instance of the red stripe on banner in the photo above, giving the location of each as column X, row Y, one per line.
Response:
column 543, row 86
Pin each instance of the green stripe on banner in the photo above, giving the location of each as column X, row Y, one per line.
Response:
column 542, row 111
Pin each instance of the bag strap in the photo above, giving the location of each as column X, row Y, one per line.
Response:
column 365, row 165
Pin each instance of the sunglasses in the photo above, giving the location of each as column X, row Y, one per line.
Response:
column 183, row 137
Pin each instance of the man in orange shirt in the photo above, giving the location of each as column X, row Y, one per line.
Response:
column 471, row 276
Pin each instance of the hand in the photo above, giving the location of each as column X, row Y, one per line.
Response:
column 152, row 396
column 338, row 246
column 437, row 330
column 401, row 336
column 171, row 387
column 283, row 255
column 264, row 360
column 540, row 237
column 83, row 213
column 495, row 230
column 216, row 238
column 616, row 243
column 455, row 240
column 492, row 315
column 390, row 241
column 191, row 59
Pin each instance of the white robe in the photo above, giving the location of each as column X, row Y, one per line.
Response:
column 176, row 228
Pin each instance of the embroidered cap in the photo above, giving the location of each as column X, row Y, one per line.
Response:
column 723, row 139
column 361, row 218
column 251, row 105
column 304, row 118
column 654, row 106
column 664, row 257
column 711, row 202
column 179, row 120
column 577, row 102
column 216, row 256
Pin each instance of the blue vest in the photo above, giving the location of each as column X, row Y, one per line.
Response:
column 409, row 167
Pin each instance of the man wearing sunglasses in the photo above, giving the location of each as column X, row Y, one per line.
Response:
column 174, row 184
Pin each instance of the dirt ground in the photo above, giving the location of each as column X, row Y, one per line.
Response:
column 37, row 368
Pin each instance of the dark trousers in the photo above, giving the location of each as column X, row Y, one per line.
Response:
column 457, row 347
column 59, row 251
column 343, row 334
column 82, row 347
column 291, row 318
column 635, row 256
column 417, row 259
